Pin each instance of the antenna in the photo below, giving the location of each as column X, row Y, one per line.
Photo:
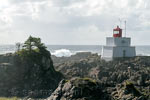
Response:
column 120, row 21
column 125, row 27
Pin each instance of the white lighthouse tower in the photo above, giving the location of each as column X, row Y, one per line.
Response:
column 117, row 46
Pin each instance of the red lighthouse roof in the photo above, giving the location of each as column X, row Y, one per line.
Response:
column 117, row 32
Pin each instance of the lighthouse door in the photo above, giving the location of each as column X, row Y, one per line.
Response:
column 124, row 53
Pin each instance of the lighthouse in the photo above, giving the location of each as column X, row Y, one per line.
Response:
column 117, row 46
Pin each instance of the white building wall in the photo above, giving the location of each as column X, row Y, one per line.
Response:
column 107, row 53
column 111, row 41
column 124, row 52
column 118, row 47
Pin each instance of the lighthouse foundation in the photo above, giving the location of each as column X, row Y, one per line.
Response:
column 111, row 52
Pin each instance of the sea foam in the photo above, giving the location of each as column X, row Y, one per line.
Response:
column 62, row 53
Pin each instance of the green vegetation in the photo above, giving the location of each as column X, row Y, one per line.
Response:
column 90, row 80
column 33, row 45
column 33, row 42
column 84, row 82
column 13, row 98
column 128, row 83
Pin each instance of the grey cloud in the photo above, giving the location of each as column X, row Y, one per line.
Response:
column 63, row 3
column 23, row 1
column 61, row 23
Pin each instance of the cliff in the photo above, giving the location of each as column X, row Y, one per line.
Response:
column 28, row 72
column 31, row 75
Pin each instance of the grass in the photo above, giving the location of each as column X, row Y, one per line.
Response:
column 84, row 82
column 128, row 83
column 13, row 98
column 90, row 80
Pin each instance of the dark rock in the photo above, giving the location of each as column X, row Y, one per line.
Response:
column 127, row 91
column 135, row 69
column 112, row 73
column 32, row 75
column 79, row 89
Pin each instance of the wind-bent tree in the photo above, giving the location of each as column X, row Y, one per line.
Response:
column 33, row 43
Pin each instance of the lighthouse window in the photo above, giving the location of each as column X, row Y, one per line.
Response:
column 116, row 32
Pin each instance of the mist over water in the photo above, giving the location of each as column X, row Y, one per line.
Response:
column 68, row 50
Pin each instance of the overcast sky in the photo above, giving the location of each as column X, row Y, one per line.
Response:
column 73, row 22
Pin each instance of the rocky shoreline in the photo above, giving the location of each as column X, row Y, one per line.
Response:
column 113, row 74
column 85, row 76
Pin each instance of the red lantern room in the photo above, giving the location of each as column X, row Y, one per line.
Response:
column 117, row 32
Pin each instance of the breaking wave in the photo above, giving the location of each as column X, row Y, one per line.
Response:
column 62, row 53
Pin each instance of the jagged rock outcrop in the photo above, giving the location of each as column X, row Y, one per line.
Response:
column 112, row 74
column 136, row 69
column 127, row 91
column 88, row 89
column 80, row 67
column 79, row 89
column 30, row 75
column 78, row 56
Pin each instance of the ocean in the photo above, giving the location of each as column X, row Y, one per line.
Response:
column 68, row 50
